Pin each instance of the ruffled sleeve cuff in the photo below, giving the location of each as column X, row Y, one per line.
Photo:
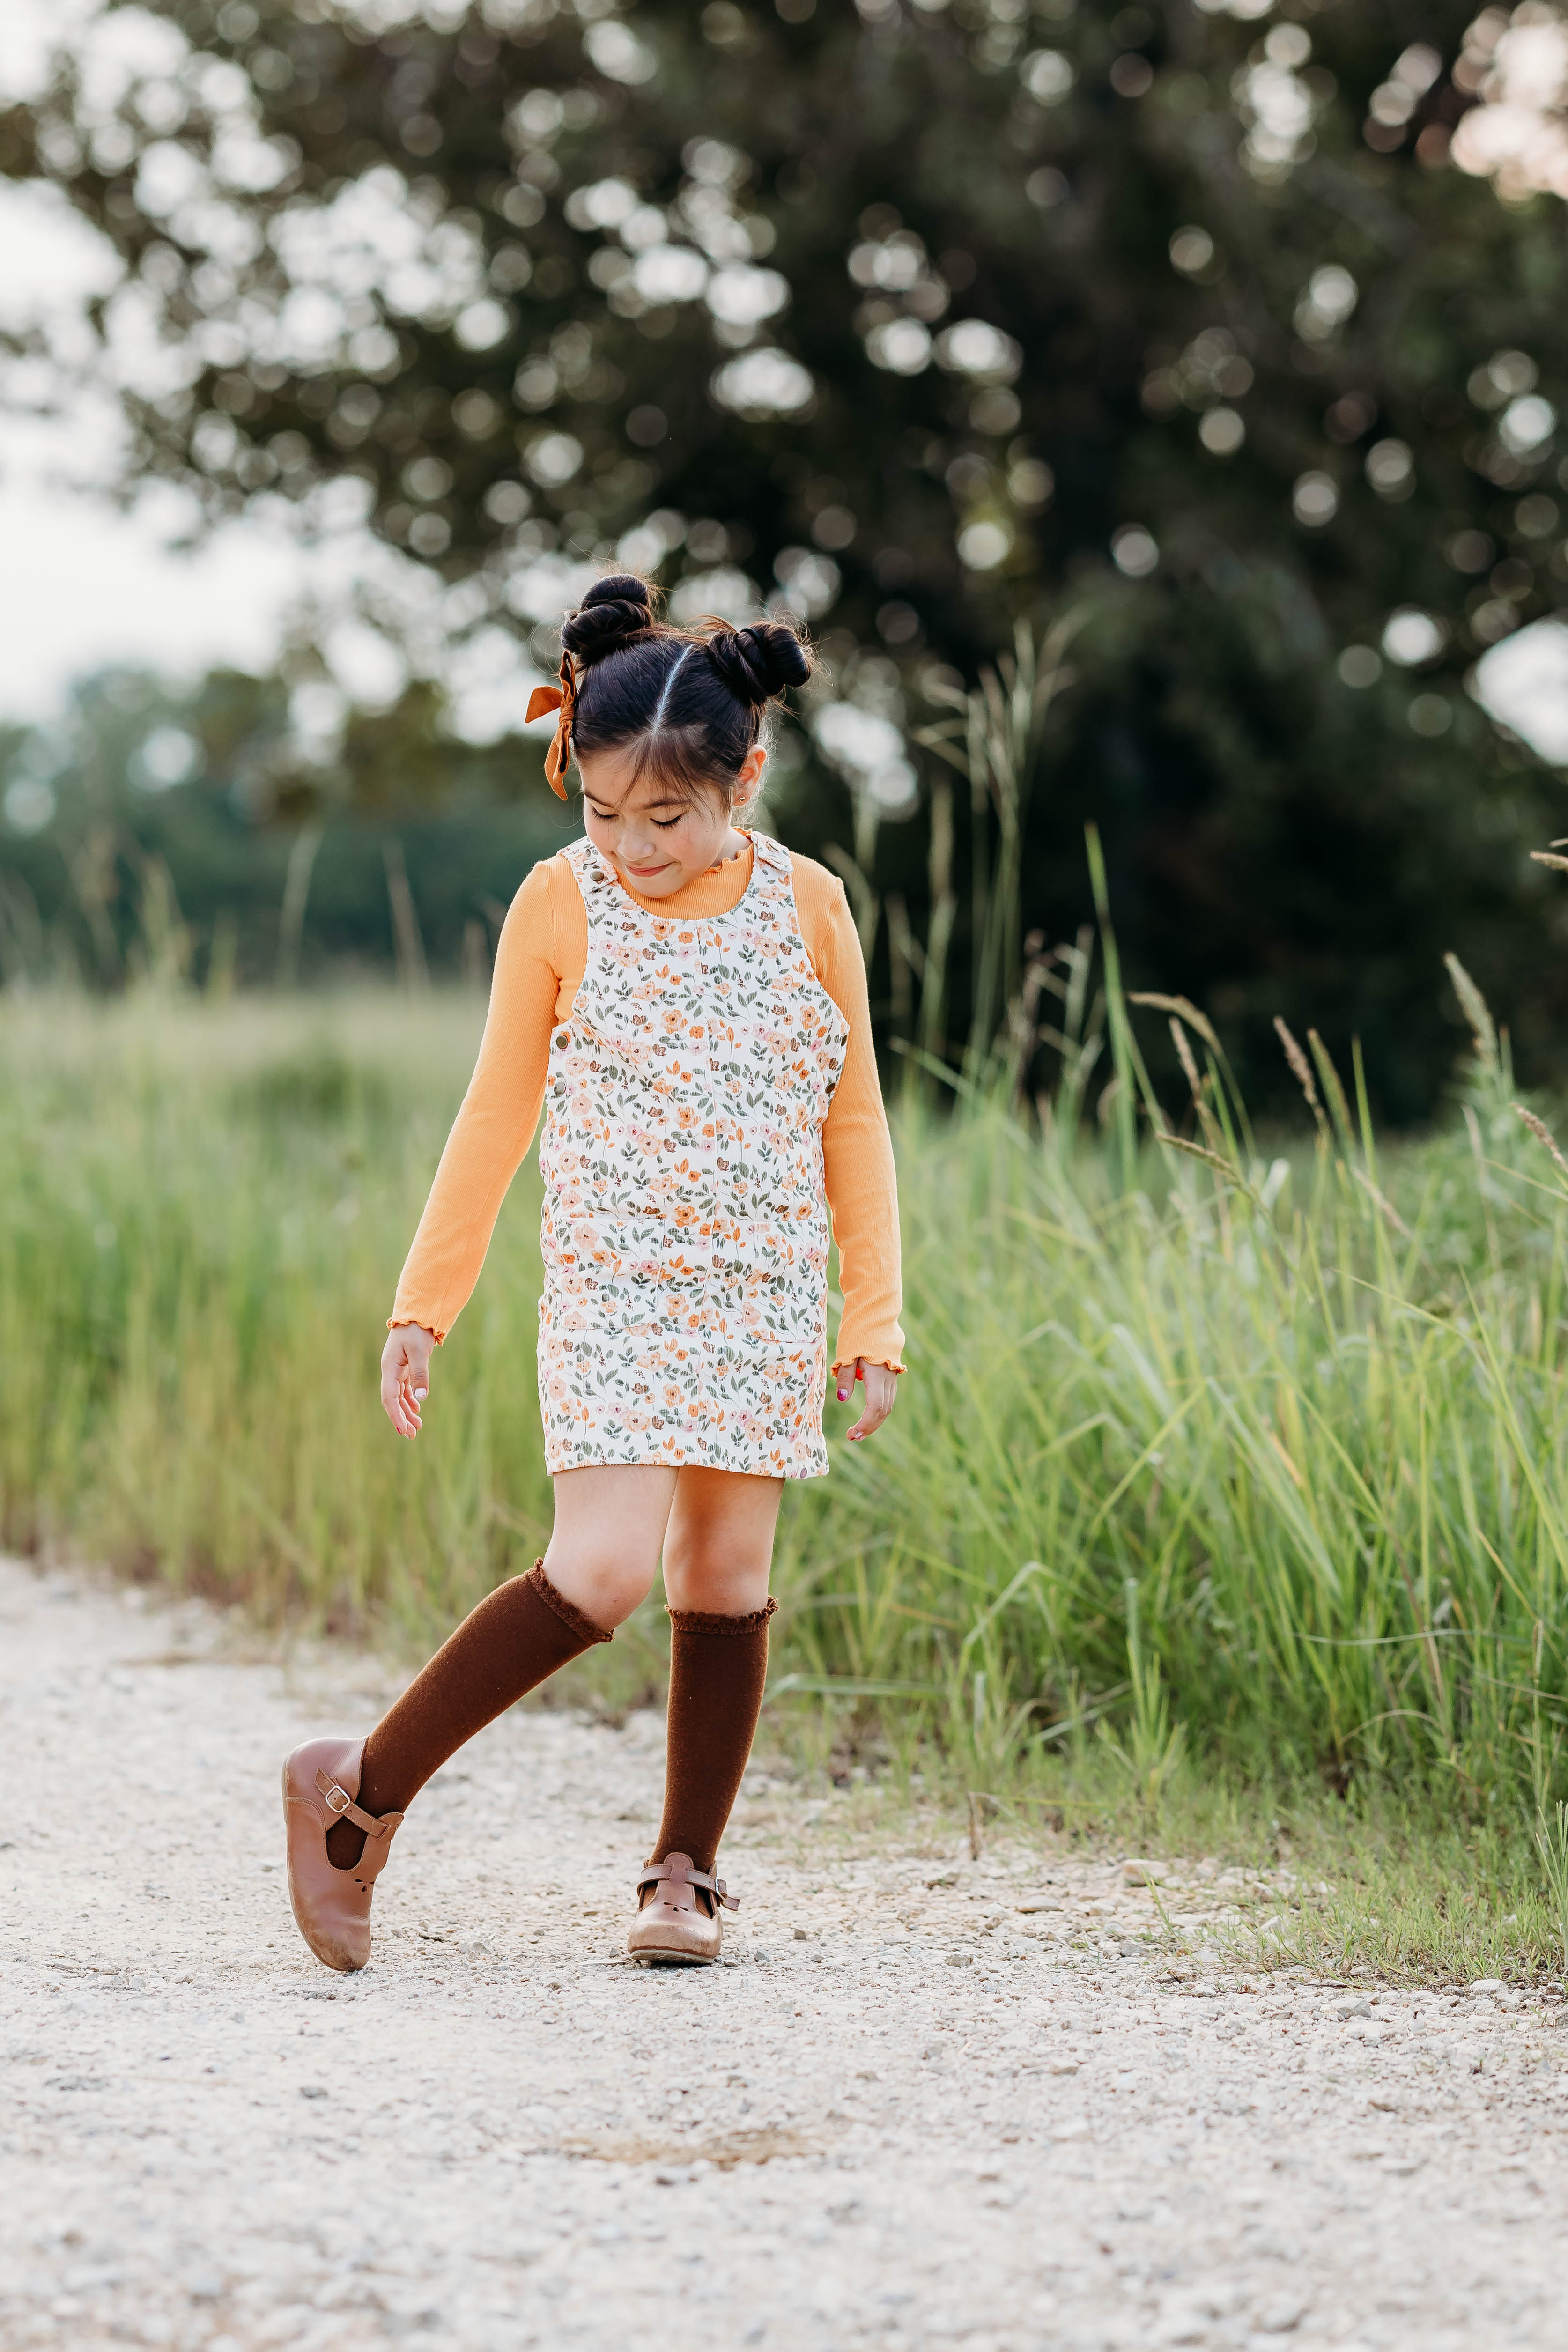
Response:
column 843, row 1364
column 395, row 1322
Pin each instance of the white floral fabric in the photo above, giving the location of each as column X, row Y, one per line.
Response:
column 685, row 1231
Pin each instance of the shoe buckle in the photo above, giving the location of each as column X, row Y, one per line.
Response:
column 336, row 1799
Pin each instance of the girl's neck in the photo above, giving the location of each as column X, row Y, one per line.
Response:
column 735, row 845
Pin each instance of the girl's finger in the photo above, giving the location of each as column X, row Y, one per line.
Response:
column 878, row 1405
column 397, row 1402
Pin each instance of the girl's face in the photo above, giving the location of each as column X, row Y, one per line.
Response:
column 655, row 842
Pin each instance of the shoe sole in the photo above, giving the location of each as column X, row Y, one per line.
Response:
column 672, row 1959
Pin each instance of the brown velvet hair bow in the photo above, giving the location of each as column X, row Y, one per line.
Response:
column 560, row 699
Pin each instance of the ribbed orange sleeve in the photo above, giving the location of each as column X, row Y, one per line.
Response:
column 539, row 962
column 494, row 1127
column 857, row 1151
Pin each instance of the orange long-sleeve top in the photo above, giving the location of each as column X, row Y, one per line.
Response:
column 540, row 962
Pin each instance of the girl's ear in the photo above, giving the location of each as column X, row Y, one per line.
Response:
column 749, row 780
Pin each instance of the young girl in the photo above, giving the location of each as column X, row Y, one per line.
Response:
column 687, row 1000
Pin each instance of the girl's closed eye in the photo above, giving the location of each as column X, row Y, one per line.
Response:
column 663, row 822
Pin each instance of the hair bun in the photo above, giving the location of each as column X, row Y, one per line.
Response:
column 757, row 662
column 614, row 613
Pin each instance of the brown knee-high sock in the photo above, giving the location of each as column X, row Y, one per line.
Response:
column 516, row 1636
column 718, row 1667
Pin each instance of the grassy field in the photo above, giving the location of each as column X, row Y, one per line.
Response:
column 1224, row 1498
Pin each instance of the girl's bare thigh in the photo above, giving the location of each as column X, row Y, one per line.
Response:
column 714, row 1528
column 719, row 1542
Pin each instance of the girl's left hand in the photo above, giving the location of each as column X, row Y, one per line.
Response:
column 406, row 1376
column 881, row 1388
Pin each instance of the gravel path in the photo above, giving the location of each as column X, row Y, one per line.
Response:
column 966, row 2107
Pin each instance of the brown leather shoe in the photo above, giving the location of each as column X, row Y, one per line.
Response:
column 331, row 1907
column 674, row 1929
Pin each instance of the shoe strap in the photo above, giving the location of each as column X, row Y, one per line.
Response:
column 342, row 1807
column 657, row 1872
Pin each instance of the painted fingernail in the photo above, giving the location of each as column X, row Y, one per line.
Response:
column 420, row 1396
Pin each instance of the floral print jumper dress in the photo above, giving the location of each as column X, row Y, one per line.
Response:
column 685, row 1230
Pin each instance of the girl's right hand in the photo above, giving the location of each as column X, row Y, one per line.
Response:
column 406, row 1375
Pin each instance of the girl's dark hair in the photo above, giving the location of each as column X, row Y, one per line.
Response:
column 691, row 701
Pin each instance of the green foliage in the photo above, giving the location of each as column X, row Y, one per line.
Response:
column 509, row 278
column 187, row 836
column 1552, row 1839
column 1253, row 1461
column 202, row 1206
column 1027, row 170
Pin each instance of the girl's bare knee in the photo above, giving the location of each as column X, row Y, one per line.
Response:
column 606, row 1587
column 722, row 1584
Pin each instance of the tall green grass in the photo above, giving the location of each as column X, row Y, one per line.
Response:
column 202, row 1208
column 1264, row 1461
column 1209, row 1456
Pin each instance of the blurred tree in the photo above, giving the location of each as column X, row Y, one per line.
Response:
column 202, row 834
column 970, row 290
column 911, row 317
